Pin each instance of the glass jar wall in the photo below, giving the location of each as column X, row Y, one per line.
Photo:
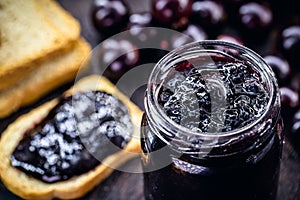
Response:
column 212, row 126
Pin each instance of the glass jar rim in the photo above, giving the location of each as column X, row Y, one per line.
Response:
column 161, row 116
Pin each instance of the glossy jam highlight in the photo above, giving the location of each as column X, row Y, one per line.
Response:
column 74, row 138
column 222, row 96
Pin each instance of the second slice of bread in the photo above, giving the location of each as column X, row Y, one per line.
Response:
column 50, row 74
column 31, row 30
column 31, row 188
column 55, row 14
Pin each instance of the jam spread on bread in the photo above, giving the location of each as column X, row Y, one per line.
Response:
column 74, row 138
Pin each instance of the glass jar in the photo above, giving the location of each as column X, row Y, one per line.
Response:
column 212, row 127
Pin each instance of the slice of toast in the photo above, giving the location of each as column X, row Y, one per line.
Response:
column 51, row 74
column 30, row 188
column 65, row 23
column 31, row 30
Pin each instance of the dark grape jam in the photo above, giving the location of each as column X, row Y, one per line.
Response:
column 224, row 96
column 212, row 126
column 74, row 138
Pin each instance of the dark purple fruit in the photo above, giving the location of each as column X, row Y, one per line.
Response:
column 118, row 56
column 145, row 36
column 295, row 82
column 195, row 32
column 190, row 34
column 295, row 128
column 172, row 13
column 140, row 27
column 289, row 103
column 255, row 16
column 208, row 14
column 289, row 97
column 290, row 43
column 109, row 16
column 280, row 67
column 255, row 20
column 140, row 19
column 296, row 116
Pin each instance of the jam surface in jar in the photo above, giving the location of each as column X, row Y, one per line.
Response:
column 223, row 96
column 77, row 134
column 215, row 132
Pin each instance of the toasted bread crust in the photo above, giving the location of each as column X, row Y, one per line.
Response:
column 31, row 188
column 13, row 76
column 50, row 74
column 29, row 37
column 60, row 18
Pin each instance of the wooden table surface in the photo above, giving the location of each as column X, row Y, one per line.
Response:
column 129, row 186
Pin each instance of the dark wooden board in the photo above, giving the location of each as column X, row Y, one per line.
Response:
column 129, row 186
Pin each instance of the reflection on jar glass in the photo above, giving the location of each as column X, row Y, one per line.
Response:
column 212, row 127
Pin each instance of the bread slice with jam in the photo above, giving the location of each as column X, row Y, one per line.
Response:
column 27, row 185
